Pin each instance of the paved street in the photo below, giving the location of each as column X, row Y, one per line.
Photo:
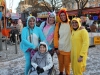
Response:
column 14, row 63
column 10, row 53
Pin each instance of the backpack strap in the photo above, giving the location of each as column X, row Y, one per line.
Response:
column 44, row 24
column 59, row 28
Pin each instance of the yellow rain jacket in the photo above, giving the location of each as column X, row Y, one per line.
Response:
column 80, row 44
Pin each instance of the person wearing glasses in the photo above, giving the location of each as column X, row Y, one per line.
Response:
column 79, row 47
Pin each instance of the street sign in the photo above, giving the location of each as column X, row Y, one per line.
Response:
column 96, row 40
column 15, row 15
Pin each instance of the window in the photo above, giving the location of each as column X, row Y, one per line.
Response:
column 99, row 4
column 92, row 5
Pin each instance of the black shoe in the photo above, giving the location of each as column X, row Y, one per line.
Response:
column 61, row 73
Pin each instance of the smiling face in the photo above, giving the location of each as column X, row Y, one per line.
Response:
column 51, row 20
column 42, row 48
column 63, row 17
column 74, row 24
column 31, row 22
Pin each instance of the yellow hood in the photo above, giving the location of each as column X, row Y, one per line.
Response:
column 78, row 20
column 64, row 10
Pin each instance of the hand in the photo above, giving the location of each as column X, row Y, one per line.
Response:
column 57, row 52
column 80, row 59
column 51, row 52
column 29, row 50
column 41, row 70
column 38, row 68
column 82, row 27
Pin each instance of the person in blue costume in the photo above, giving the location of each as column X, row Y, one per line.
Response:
column 31, row 34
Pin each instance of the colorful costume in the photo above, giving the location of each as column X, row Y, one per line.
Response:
column 48, row 31
column 36, row 34
column 62, row 43
column 80, row 44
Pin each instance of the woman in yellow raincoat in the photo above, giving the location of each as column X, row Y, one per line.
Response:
column 80, row 44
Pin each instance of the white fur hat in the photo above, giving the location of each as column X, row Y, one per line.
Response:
column 43, row 43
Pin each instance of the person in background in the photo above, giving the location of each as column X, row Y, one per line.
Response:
column 30, row 36
column 14, row 31
column 62, row 41
column 48, row 30
column 98, row 27
column 41, row 61
column 84, row 21
column 20, row 27
column 94, row 27
column 79, row 51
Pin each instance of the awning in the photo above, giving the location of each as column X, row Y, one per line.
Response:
column 95, row 10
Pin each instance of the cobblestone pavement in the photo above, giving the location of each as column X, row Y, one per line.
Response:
column 10, row 53
column 14, row 64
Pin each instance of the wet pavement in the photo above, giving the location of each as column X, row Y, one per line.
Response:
column 13, row 64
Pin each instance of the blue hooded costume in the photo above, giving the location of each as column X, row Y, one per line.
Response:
column 36, row 35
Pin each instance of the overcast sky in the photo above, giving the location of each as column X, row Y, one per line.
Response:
column 15, row 4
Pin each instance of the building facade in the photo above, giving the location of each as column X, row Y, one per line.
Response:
column 94, row 3
column 20, row 7
column 72, row 5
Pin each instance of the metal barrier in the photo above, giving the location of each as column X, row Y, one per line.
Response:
column 3, row 39
column 6, row 43
column 16, row 44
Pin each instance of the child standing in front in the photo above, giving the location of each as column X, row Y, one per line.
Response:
column 41, row 61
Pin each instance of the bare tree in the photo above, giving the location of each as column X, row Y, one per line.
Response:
column 37, row 6
column 55, row 5
column 43, row 5
column 69, row 4
column 81, row 4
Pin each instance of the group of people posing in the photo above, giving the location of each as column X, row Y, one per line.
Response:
column 67, row 38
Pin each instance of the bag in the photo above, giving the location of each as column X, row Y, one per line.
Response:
column 32, row 52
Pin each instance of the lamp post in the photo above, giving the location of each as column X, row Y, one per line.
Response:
column 1, row 9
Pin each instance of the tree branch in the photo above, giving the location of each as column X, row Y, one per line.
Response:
column 46, row 6
column 85, row 3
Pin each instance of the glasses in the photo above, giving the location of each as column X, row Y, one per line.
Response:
column 74, row 22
